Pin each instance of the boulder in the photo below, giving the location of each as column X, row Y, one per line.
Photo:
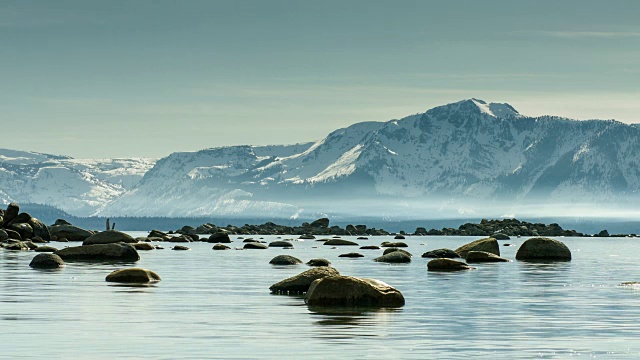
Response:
column 285, row 260
column 351, row 255
column 219, row 237
column 390, row 250
column 18, row 245
column 158, row 234
column 143, row 246
column 109, row 237
column 444, row 264
column 351, row 291
column 11, row 213
column 483, row 256
column 441, row 253
column 394, row 257
column 38, row 240
column 45, row 249
column 25, row 230
column 100, row 252
column 300, row 283
column 13, row 234
column 3, row 235
column 319, row 262
column 370, row 247
column 543, row 249
column 133, row 275
column 339, row 242
column 395, row 244
column 179, row 239
column 220, row 247
column 61, row 222
column 321, row 223
column 70, row 232
column 21, row 218
column 488, row 245
column 255, row 245
column 180, row 248
column 280, row 244
column 306, row 237
column 46, row 261
column 399, row 237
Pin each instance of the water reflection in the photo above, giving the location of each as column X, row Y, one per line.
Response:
column 351, row 317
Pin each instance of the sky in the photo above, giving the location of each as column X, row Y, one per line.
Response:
column 99, row 79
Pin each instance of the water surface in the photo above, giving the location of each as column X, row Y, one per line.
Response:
column 216, row 304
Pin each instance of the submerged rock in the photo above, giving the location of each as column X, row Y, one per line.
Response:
column 370, row 247
column 100, row 252
column 284, row 244
column 395, row 244
column 46, row 261
column 109, row 237
column 45, row 249
column 394, row 257
column 340, row 242
column 483, row 256
column 133, row 275
column 390, row 250
column 351, row 291
column 144, row 246
column 319, row 262
column 543, row 249
column 255, row 245
column 220, row 247
column 351, row 255
column 301, row 282
column 285, row 260
column 219, row 237
column 441, row 253
column 180, row 248
column 444, row 264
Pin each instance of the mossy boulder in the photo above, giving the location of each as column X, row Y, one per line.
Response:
column 489, row 245
column 300, row 283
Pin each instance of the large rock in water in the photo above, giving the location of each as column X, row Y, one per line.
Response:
column 444, row 264
column 100, row 252
column 483, row 256
column 489, row 245
column 543, row 249
column 352, row 291
column 300, row 283
column 441, row 253
column 339, row 242
column 70, row 232
column 109, row 237
column 133, row 275
column 394, row 257
column 25, row 230
column 219, row 237
column 46, row 261
column 285, row 260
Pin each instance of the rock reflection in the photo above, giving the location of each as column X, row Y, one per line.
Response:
column 348, row 323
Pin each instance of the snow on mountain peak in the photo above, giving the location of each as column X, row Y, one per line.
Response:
column 495, row 109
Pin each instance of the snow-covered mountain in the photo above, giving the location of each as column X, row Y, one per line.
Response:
column 463, row 157
column 78, row 186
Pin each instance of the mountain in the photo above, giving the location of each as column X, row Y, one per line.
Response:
column 77, row 186
column 469, row 157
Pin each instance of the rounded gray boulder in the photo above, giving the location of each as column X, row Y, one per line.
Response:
column 543, row 249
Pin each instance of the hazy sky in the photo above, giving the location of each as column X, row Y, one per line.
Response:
column 147, row 78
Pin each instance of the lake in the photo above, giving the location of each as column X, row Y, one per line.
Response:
column 217, row 304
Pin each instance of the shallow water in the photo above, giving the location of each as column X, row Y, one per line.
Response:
column 216, row 304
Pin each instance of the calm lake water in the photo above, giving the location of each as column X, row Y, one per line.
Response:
column 216, row 304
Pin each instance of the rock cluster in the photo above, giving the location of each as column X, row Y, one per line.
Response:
column 508, row 227
column 21, row 227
